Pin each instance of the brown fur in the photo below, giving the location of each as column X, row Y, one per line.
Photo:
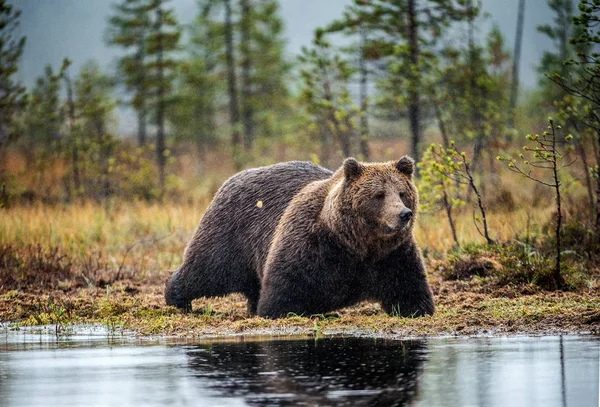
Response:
column 339, row 238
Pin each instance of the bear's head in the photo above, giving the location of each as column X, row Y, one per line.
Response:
column 374, row 204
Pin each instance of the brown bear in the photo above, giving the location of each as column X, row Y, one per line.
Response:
column 297, row 238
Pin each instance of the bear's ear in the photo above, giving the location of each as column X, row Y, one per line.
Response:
column 352, row 169
column 406, row 166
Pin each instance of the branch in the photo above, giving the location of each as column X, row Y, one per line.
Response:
column 569, row 164
column 477, row 225
column 516, row 169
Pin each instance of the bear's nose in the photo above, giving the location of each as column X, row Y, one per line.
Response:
column 405, row 214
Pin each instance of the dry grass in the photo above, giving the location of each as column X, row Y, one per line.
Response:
column 90, row 227
column 107, row 263
column 109, row 266
column 138, row 238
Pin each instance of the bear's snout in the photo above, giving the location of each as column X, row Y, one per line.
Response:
column 405, row 215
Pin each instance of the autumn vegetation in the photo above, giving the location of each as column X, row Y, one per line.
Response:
column 92, row 221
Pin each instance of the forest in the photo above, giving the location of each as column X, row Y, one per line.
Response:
column 92, row 221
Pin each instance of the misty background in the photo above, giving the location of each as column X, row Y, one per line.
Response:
column 76, row 29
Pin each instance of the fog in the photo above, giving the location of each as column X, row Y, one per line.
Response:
column 76, row 29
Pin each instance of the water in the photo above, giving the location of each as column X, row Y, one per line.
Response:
column 38, row 370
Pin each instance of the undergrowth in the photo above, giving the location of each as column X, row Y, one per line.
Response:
column 530, row 261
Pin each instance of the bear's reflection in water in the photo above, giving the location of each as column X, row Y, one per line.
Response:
column 339, row 371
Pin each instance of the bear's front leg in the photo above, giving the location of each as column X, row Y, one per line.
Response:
column 287, row 291
column 401, row 284
column 306, row 282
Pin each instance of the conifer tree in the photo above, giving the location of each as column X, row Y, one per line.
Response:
column 193, row 115
column 325, row 93
column 73, row 136
column 546, row 154
column 559, row 30
column 583, row 82
column 234, row 112
column 237, row 50
column 129, row 28
column 514, row 86
column 162, row 42
column 269, row 73
column 94, row 105
column 555, row 64
column 468, row 91
column 246, row 67
column 44, row 116
column 403, row 34
column 12, row 93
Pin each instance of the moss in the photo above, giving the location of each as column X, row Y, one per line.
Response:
column 520, row 263
column 477, row 306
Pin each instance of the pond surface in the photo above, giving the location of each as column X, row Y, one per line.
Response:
column 38, row 370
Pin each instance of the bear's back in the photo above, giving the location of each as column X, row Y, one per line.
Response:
column 246, row 209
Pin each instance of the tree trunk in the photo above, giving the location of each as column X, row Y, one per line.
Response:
column 413, row 102
column 586, row 172
column 476, row 116
column 160, row 108
column 343, row 138
column 364, row 104
column 598, row 184
column 514, row 87
column 598, row 204
column 74, row 147
column 142, row 114
column 104, row 156
column 441, row 124
column 247, row 108
column 448, row 208
column 565, row 22
column 325, row 144
column 232, row 87
column 558, row 280
column 141, row 87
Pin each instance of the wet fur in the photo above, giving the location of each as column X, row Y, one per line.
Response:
column 313, row 247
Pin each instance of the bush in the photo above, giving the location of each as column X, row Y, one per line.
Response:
column 531, row 263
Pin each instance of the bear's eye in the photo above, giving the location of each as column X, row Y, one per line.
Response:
column 403, row 196
column 380, row 195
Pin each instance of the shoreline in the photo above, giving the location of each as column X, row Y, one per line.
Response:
column 463, row 310
column 96, row 331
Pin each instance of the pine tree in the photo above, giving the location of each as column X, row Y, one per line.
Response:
column 559, row 31
column 12, row 93
column 246, row 67
column 162, row 42
column 94, row 105
column 74, row 139
column 44, row 117
column 553, row 97
column 325, row 93
column 354, row 26
column 546, row 154
column 237, row 56
column 514, row 86
column 469, row 88
column 129, row 28
column 42, row 139
column 364, row 95
column 234, row 113
column 403, row 34
column 193, row 115
column 269, row 73
column 582, row 80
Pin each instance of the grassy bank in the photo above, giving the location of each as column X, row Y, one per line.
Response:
column 92, row 263
column 462, row 308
